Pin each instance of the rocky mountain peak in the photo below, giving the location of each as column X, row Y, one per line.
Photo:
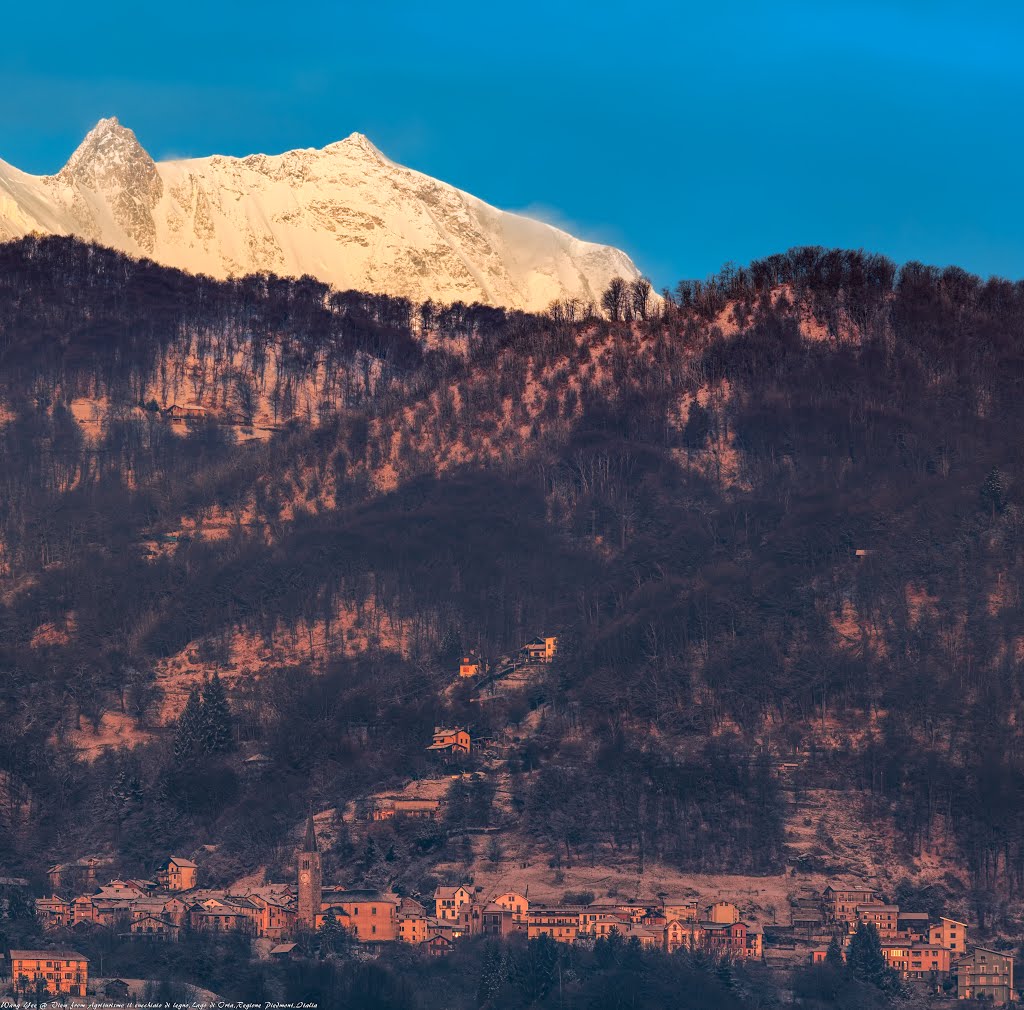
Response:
column 107, row 149
column 111, row 163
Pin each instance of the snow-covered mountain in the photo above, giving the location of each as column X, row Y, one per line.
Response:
column 345, row 214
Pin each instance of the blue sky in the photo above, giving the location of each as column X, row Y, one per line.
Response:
column 689, row 134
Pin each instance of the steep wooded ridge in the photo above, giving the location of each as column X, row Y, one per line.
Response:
column 345, row 214
column 775, row 521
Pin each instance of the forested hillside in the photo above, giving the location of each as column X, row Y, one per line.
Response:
column 773, row 517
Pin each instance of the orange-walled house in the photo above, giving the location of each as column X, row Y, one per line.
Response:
column 60, row 971
column 273, row 919
column 949, row 933
column 679, row 908
column 518, row 904
column 369, row 916
column 178, row 874
column 450, row 741
column 412, row 921
column 599, row 922
column 686, row 934
column 649, row 937
column 561, row 924
column 82, row 910
column 541, row 650
column 723, row 912
column 916, row 960
column 448, row 902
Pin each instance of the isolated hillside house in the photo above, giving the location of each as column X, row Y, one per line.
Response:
column 985, row 974
column 57, row 971
column 469, row 666
column 540, row 650
column 185, row 411
column 116, row 988
column 387, row 807
column 448, row 902
column 177, row 874
column 450, row 741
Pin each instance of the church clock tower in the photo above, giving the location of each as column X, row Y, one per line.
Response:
column 310, row 879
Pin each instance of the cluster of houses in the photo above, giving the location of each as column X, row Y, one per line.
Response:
column 541, row 650
column 914, row 944
column 157, row 910
column 918, row 946
column 663, row 923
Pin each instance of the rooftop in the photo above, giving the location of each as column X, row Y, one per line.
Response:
column 62, row 955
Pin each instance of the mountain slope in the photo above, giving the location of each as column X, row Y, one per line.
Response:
column 345, row 214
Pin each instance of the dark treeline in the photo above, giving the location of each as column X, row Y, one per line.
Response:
column 773, row 516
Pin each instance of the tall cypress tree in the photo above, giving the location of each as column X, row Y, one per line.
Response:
column 217, row 733
column 834, row 954
column 189, row 734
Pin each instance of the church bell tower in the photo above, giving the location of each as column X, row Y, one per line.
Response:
column 310, row 879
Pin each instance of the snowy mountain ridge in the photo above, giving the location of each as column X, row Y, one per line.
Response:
column 344, row 214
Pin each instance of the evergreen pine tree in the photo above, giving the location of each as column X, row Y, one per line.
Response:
column 217, row 735
column 493, row 974
column 995, row 491
column 834, row 954
column 188, row 736
column 865, row 958
column 330, row 934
